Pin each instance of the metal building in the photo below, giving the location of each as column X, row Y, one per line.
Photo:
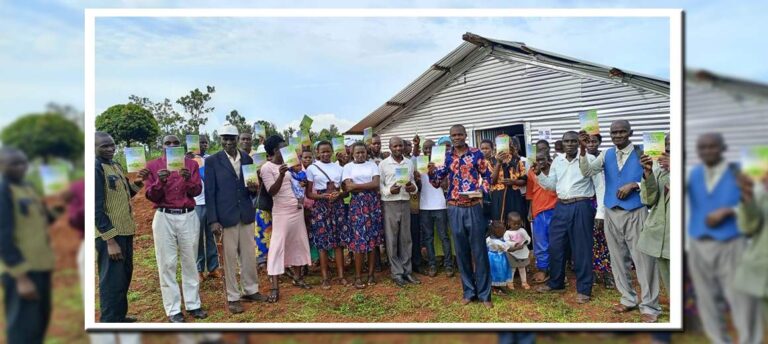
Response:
column 492, row 86
column 736, row 108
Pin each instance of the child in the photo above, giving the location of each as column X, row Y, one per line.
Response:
column 298, row 180
column 518, row 255
column 498, row 246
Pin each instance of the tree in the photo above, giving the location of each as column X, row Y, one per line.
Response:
column 288, row 133
column 45, row 135
column 195, row 107
column 168, row 119
column 239, row 121
column 68, row 111
column 129, row 123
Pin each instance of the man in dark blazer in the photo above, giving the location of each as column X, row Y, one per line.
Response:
column 231, row 215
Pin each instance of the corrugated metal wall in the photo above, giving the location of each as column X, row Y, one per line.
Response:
column 499, row 92
column 741, row 119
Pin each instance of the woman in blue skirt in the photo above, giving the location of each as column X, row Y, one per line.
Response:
column 361, row 178
column 328, row 227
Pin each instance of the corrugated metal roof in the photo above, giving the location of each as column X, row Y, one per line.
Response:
column 474, row 49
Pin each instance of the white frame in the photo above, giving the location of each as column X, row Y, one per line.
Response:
column 675, row 17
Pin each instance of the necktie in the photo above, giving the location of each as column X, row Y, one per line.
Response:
column 619, row 158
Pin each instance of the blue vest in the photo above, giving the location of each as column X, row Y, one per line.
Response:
column 631, row 172
column 726, row 194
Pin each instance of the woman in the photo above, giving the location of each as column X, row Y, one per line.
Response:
column 508, row 177
column 328, row 228
column 361, row 178
column 289, row 244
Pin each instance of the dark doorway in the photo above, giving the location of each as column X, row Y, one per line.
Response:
column 514, row 131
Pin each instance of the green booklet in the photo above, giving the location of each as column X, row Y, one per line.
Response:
column 368, row 135
column 653, row 143
column 294, row 142
column 402, row 176
column 306, row 123
column 289, row 156
column 338, row 144
column 259, row 130
column 193, row 144
column 754, row 161
column 304, row 138
column 438, row 155
column 135, row 160
column 422, row 163
column 174, row 157
column 259, row 159
column 502, row 143
column 250, row 174
column 55, row 178
column 588, row 122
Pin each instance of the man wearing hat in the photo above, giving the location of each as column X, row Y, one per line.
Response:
column 231, row 215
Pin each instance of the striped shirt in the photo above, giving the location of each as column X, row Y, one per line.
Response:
column 113, row 201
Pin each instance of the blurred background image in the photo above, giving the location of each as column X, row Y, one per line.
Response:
column 42, row 95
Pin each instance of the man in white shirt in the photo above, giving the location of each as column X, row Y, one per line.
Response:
column 573, row 220
column 624, row 218
column 433, row 214
column 396, row 196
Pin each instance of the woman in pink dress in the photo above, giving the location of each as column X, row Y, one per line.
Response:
column 289, row 244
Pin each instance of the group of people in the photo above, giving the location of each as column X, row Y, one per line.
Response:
column 486, row 202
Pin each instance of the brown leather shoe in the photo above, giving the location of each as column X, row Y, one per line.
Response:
column 620, row 308
column 649, row 318
column 216, row 274
column 488, row 304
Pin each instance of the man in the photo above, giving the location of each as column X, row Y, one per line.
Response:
column 654, row 192
column 176, row 231
column 207, row 254
column 559, row 150
column 468, row 174
column 573, row 220
column 246, row 142
column 375, row 149
column 543, row 146
column 434, row 217
column 231, row 214
column 116, row 226
column 397, row 212
column 716, row 246
column 26, row 256
column 542, row 207
column 602, row 258
column 624, row 218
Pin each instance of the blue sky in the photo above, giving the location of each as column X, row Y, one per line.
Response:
column 337, row 70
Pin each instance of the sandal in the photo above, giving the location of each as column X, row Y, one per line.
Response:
column 326, row 284
column 301, row 284
column 359, row 283
column 371, row 280
column 526, row 286
column 344, row 282
column 274, row 295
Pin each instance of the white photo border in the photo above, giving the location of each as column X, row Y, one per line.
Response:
column 675, row 17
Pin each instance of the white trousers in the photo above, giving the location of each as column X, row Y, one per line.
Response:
column 177, row 235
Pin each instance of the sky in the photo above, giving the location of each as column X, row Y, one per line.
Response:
column 335, row 70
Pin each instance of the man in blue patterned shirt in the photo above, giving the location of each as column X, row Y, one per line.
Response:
column 468, row 176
